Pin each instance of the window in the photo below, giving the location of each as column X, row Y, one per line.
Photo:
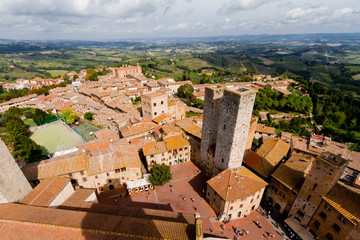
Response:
column 162, row 154
column 117, row 170
column 315, row 185
column 96, row 176
column 308, row 198
column 82, row 172
column 341, row 219
column 154, row 104
column 329, row 236
column 323, row 215
column 224, row 127
column 152, row 156
column 185, row 148
column 336, row 227
column 327, row 206
column 70, row 174
column 222, row 160
column 274, row 189
column 122, row 178
column 108, row 174
column 317, row 224
column 282, row 195
column 98, row 184
column 208, row 193
column 109, row 180
column 155, row 113
column 162, row 102
column 241, row 205
column 252, row 208
column 300, row 213
column 123, row 169
column 231, row 208
column 214, row 199
column 137, row 174
column 84, row 179
column 101, row 189
column 251, row 200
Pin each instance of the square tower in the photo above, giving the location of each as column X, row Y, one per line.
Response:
column 323, row 175
column 233, row 128
column 154, row 104
column 13, row 184
column 212, row 106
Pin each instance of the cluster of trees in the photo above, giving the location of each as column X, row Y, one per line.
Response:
column 271, row 99
column 69, row 116
column 39, row 116
column 92, row 74
column 160, row 175
column 338, row 113
column 16, row 136
column 88, row 116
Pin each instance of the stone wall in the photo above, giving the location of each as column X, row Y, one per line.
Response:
column 13, row 184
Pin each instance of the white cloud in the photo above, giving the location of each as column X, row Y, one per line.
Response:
column 240, row 5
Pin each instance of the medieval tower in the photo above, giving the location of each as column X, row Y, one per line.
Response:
column 227, row 115
column 323, row 175
column 13, row 184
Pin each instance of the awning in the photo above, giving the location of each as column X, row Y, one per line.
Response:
column 298, row 229
column 139, row 182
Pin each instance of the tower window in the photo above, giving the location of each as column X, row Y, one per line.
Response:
column 323, row 215
column 315, row 185
column 222, row 160
column 308, row 198
column 336, row 227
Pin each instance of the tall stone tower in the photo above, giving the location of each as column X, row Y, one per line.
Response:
column 323, row 175
column 233, row 128
column 212, row 107
column 13, row 184
column 227, row 115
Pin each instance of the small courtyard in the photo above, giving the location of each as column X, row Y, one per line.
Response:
column 185, row 193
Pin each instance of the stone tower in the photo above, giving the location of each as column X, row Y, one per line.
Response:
column 212, row 106
column 226, row 122
column 323, row 175
column 233, row 128
column 13, row 184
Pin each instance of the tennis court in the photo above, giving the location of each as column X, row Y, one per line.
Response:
column 54, row 137
column 84, row 130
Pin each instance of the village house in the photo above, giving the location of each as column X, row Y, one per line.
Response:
column 268, row 157
column 338, row 215
column 102, row 165
column 264, row 131
column 234, row 193
column 170, row 83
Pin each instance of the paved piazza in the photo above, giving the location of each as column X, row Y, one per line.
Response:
column 189, row 183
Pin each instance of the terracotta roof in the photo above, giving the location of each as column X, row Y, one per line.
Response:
column 66, row 105
column 44, row 193
column 175, row 142
column 78, row 197
column 105, row 134
column 154, row 148
column 69, row 163
column 264, row 129
column 115, row 157
column 346, row 200
column 161, row 117
column 137, row 128
column 292, row 173
column 258, row 164
column 96, row 225
column 232, row 184
column 154, row 94
column 278, row 152
column 189, row 127
column 95, row 146
column 169, row 128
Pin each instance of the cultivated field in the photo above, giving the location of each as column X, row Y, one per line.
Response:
column 55, row 136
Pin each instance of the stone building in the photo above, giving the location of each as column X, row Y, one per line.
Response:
column 251, row 134
column 125, row 70
column 234, row 193
column 13, row 184
column 323, row 175
column 338, row 215
column 286, row 182
column 101, row 165
column 154, row 104
column 227, row 116
column 172, row 150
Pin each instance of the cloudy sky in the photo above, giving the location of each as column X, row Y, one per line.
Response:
column 129, row 19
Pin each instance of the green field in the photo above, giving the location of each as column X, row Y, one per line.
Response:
column 29, row 122
column 56, row 73
column 84, row 130
column 55, row 137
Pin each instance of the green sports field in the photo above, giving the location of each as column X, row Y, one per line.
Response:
column 55, row 137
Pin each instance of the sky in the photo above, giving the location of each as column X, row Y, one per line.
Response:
column 143, row 19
